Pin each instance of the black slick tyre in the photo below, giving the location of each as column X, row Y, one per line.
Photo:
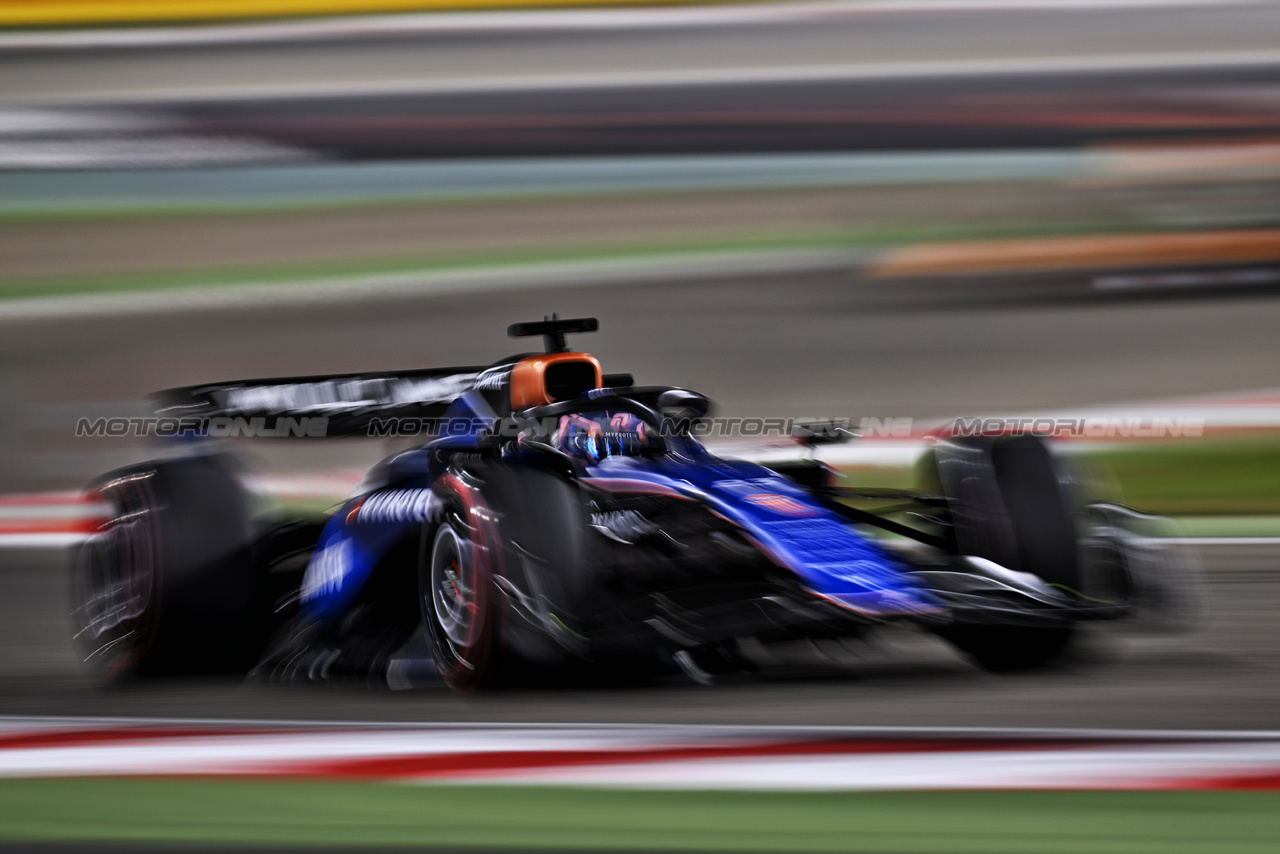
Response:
column 169, row 583
column 1010, row 505
column 504, row 578
column 455, row 587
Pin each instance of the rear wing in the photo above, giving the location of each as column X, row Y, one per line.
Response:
column 314, row 407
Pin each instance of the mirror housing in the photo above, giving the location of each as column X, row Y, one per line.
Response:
column 822, row 433
column 681, row 407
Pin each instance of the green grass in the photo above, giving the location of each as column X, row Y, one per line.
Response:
column 372, row 814
column 1230, row 485
column 303, row 273
column 1235, row 476
column 318, row 272
column 1229, row 526
column 23, row 207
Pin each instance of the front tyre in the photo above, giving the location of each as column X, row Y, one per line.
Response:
column 1010, row 505
column 455, row 588
column 1010, row 649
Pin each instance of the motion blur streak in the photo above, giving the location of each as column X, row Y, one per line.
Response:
column 768, row 758
column 65, row 12
column 1065, row 253
column 881, row 44
column 74, row 12
column 883, row 209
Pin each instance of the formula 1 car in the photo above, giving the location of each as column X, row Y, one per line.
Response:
column 562, row 522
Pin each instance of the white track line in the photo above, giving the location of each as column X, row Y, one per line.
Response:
column 797, row 758
column 39, row 541
column 1123, row 768
column 374, row 26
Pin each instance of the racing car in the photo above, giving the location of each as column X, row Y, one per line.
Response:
column 561, row 522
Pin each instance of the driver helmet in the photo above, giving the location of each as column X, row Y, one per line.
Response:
column 596, row 435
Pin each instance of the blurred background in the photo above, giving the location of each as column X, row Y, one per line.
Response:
column 850, row 209
column 902, row 209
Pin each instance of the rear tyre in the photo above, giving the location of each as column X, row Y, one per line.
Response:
column 169, row 584
column 1010, row 505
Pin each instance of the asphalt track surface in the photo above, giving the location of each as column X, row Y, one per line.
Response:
column 832, row 341
column 1223, row 676
column 768, row 345
column 960, row 112
column 825, row 343
column 836, row 80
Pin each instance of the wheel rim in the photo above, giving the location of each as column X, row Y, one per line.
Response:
column 452, row 588
column 112, row 584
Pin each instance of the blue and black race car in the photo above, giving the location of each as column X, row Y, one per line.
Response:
column 566, row 523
